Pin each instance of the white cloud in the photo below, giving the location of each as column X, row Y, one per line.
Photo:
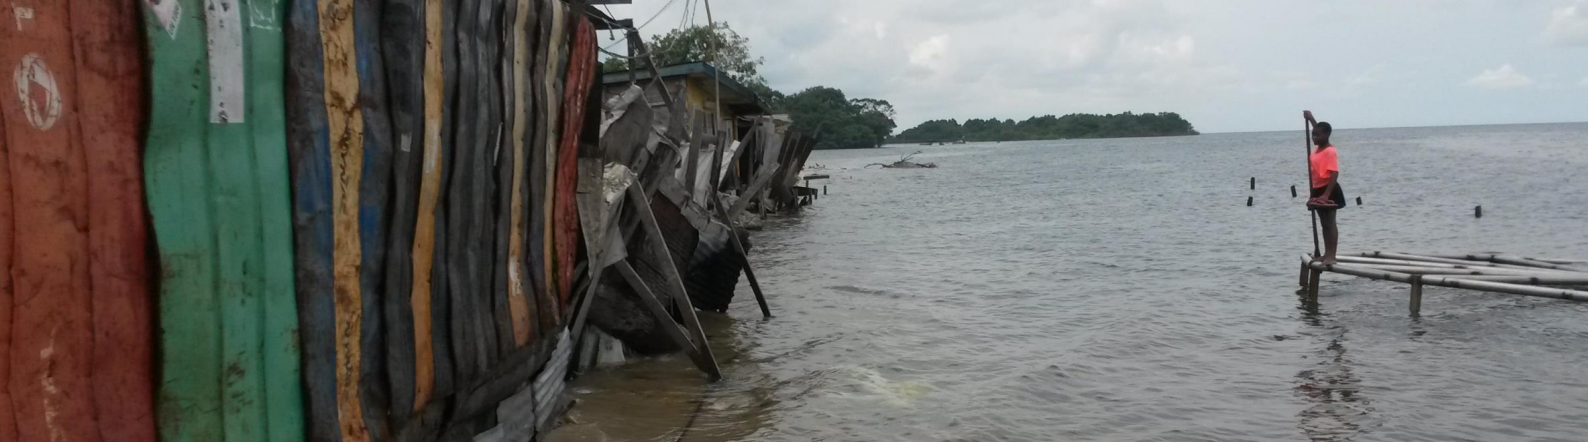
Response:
column 930, row 53
column 1016, row 58
column 1505, row 77
column 1568, row 24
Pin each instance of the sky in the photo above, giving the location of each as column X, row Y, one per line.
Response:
column 1225, row 65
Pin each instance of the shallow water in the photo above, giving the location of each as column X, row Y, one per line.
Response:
column 1122, row 290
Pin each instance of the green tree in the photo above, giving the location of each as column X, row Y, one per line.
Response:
column 841, row 123
column 694, row 44
column 1049, row 127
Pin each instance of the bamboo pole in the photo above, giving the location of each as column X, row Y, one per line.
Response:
column 1411, row 257
column 1515, row 289
column 1491, row 271
column 1512, row 260
column 1531, row 280
column 1488, row 256
column 1312, row 286
column 1403, row 262
column 1415, row 303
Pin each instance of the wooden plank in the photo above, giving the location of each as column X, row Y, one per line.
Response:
column 403, row 50
column 496, row 325
column 52, row 329
column 518, row 298
column 178, row 196
column 345, row 127
column 556, row 39
column 112, row 110
column 448, row 379
column 374, row 198
column 325, row 143
column 762, row 178
column 470, row 352
column 429, row 360
column 540, row 174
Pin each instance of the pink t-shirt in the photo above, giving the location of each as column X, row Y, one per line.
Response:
column 1323, row 162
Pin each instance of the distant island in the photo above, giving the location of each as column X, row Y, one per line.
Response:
column 1048, row 127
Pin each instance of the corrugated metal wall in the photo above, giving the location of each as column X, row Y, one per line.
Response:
column 432, row 153
column 363, row 216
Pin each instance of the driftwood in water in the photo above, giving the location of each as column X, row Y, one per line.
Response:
column 905, row 163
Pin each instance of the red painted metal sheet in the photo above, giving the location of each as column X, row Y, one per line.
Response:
column 51, row 340
column 111, row 110
column 566, row 211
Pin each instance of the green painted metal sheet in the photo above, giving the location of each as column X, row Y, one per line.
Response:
column 215, row 166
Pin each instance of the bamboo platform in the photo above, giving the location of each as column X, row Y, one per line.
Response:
column 1515, row 275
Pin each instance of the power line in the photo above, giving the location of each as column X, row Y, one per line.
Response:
column 658, row 14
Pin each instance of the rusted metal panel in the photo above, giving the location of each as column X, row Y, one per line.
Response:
column 52, row 324
column 566, row 226
column 112, row 110
column 8, row 422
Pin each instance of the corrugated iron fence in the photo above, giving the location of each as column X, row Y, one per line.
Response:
column 362, row 216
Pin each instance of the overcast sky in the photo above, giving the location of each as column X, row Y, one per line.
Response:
column 1226, row 65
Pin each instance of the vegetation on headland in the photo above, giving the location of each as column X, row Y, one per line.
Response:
column 1049, row 127
column 840, row 121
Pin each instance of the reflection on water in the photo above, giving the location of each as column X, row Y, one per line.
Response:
column 1338, row 410
column 1123, row 290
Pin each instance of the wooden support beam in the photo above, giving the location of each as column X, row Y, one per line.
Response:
column 762, row 178
column 1312, row 287
column 660, row 312
column 1416, row 304
column 1304, row 271
column 733, row 233
column 686, row 308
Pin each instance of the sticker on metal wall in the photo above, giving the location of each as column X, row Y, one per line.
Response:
column 41, row 98
column 167, row 12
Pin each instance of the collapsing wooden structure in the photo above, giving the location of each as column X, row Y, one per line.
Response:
column 1515, row 275
column 669, row 241
column 371, row 220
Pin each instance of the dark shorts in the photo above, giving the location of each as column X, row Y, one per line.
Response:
column 1338, row 197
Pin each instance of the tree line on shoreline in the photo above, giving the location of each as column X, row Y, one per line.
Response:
column 1049, row 127
column 841, row 122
